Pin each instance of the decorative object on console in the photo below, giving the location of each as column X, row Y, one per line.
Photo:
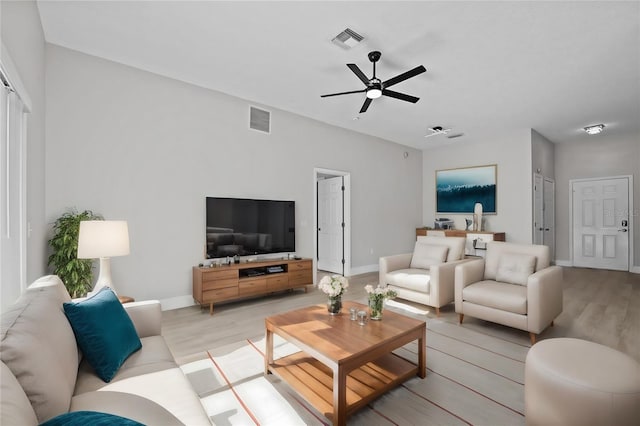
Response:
column 377, row 298
column 468, row 224
column 477, row 217
column 334, row 286
column 103, row 239
column 457, row 190
column 75, row 273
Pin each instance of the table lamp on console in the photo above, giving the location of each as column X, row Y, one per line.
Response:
column 103, row 239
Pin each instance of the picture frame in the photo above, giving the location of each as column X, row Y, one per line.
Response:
column 458, row 190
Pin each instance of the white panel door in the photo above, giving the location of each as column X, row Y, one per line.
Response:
column 330, row 220
column 538, row 209
column 600, row 223
column 549, row 216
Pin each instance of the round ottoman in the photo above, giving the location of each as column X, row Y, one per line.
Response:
column 576, row 382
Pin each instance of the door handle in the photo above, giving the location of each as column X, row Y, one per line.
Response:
column 540, row 229
column 622, row 230
column 546, row 229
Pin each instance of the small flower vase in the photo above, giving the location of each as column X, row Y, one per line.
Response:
column 334, row 305
column 376, row 306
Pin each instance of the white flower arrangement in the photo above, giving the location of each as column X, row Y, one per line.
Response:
column 380, row 292
column 333, row 285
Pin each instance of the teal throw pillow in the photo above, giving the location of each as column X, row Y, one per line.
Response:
column 105, row 333
column 93, row 418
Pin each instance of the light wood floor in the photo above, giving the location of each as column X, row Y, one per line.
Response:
column 600, row 306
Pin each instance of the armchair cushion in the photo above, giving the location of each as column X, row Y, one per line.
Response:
column 502, row 296
column 427, row 255
column 515, row 268
column 412, row 279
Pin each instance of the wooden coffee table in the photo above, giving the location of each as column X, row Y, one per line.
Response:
column 343, row 365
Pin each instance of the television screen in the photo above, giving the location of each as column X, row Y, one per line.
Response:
column 244, row 227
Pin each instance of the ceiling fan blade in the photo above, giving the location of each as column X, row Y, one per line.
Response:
column 404, row 76
column 359, row 73
column 400, row 96
column 365, row 105
column 343, row 93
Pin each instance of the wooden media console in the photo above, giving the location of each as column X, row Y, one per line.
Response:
column 248, row 279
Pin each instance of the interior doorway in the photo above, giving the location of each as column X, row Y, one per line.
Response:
column 601, row 223
column 544, row 227
column 332, row 190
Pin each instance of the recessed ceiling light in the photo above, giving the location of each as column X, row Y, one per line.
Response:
column 595, row 129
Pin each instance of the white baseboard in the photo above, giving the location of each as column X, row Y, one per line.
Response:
column 177, row 302
column 364, row 269
column 633, row 269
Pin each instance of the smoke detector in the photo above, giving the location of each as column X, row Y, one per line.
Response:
column 437, row 130
column 347, row 39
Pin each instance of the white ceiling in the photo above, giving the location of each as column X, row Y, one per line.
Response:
column 552, row 66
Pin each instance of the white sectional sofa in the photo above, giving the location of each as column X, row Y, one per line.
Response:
column 44, row 375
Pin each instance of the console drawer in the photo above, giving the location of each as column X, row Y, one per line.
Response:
column 279, row 282
column 249, row 287
column 219, row 275
column 219, row 294
column 300, row 277
column 298, row 266
column 218, row 284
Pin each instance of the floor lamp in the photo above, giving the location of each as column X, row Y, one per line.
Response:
column 103, row 239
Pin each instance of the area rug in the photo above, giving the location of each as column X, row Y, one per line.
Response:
column 473, row 378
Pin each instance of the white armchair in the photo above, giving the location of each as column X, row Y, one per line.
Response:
column 513, row 286
column 427, row 275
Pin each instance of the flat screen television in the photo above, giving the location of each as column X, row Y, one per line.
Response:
column 247, row 227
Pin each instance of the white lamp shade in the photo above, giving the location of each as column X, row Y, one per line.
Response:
column 103, row 238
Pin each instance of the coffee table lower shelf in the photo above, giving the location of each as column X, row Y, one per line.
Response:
column 314, row 381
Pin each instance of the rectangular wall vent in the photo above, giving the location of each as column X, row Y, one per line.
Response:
column 347, row 39
column 259, row 120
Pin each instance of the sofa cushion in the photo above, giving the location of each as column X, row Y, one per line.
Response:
column 412, row 279
column 515, row 268
column 39, row 347
column 94, row 418
column 153, row 356
column 15, row 408
column 127, row 405
column 104, row 332
column 427, row 255
column 502, row 296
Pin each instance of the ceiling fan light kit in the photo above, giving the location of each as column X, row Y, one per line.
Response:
column 375, row 88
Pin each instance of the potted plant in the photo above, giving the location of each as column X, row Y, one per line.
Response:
column 76, row 274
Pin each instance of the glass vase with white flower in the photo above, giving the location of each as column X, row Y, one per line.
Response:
column 377, row 297
column 334, row 286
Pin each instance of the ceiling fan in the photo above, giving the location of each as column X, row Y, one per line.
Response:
column 376, row 88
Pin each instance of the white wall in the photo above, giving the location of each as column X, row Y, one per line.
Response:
column 136, row 146
column 511, row 151
column 542, row 155
column 21, row 33
column 595, row 156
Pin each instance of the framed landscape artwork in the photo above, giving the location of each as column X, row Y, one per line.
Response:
column 458, row 190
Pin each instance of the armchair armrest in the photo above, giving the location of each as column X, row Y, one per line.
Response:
column 544, row 298
column 443, row 282
column 146, row 317
column 467, row 273
column 393, row 263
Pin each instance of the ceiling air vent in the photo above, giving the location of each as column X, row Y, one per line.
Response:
column 347, row 39
column 259, row 119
